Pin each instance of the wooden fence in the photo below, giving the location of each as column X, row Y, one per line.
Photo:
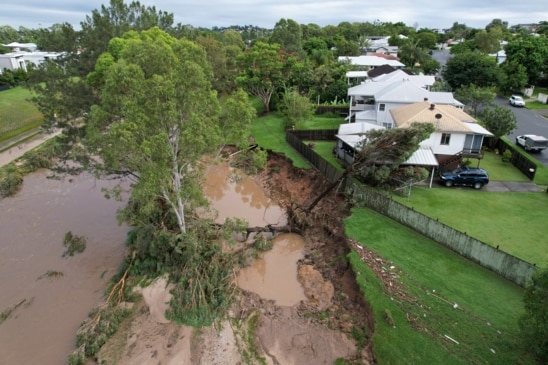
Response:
column 522, row 163
column 506, row 265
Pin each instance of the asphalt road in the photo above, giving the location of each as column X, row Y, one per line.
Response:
column 529, row 122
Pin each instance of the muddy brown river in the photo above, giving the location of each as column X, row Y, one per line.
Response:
column 47, row 311
column 42, row 327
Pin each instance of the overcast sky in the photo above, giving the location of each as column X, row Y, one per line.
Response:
column 265, row 13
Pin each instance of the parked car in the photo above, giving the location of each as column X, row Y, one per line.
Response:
column 516, row 100
column 465, row 176
column 531, row 142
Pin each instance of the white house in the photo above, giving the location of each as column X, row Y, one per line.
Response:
column 456, row 134
column 22, row 59
column 369, row 62
column 12, row 61
column 372, row 101
column 351, row 136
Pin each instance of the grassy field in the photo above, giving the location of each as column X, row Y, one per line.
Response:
column 17, row 114
column 434, row 279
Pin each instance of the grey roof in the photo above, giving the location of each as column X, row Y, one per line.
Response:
column 372, row 61
column 400, row 75
column 422, row 157
column 357, row 128
column 408, row 90
column 351, row 139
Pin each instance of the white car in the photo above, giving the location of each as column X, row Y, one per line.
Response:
column 516, row 100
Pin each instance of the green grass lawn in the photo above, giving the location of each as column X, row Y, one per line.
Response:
column 17, row 114
column 434, row 278
column 325, row 149
column 497, row 169
column 269, row 133
column 512, row 221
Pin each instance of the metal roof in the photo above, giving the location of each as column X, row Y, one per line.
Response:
column 422, row 157
column 357, row 128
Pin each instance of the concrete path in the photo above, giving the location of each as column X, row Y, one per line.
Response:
column 12, row 150
column 516, row 186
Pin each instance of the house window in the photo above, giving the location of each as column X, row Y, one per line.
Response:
column 445, row 139
column 382, row 107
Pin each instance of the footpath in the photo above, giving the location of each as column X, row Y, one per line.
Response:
column 14, row 148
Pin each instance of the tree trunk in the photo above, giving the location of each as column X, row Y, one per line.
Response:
column 333, row 185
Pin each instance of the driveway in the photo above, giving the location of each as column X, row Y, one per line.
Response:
column 516, row 186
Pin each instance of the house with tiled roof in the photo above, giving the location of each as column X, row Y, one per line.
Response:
column 457, row 135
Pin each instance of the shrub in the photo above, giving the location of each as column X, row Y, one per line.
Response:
column 506, row 156
column 11, row 180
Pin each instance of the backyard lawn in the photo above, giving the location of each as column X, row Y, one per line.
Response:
column 17, row 114
column 433, row 280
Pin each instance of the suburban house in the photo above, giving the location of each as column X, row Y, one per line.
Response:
column 380, row 44
column 456, row 136
column 371, row 101
column 20, row 58
column 357, row 77
column 12, row 61
column 349, row 136
column 366, row 63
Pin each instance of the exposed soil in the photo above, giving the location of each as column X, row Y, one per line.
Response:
column 317, row 331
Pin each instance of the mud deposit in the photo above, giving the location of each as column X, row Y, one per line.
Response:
column 45, row 295
column 310, row 330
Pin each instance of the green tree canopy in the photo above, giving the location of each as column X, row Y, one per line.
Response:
column 378, row 160
column 498, row 120
column 157, row 118
column 515, row 76
column 471, row 68
column 265, row 68
column 288, row 34
column 530, row 52
column 474, row 96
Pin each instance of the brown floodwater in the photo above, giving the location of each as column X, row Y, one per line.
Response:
column 42, row 329
column 48, row 311
column 274, row 274
column 243, row 199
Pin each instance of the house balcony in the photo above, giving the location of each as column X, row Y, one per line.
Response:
column 361, row 107
column 472, row 153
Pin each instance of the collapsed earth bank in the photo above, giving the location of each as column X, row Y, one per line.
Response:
column 333, row 323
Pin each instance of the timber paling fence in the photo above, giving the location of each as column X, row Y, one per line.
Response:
column 522, row 163
column 504, row 264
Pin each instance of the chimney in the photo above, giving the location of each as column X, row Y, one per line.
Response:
column 425, row 99
column 432, row 106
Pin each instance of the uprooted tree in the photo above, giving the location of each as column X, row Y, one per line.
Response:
column 378, row 159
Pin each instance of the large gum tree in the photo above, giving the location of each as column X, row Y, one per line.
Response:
column 157, row 118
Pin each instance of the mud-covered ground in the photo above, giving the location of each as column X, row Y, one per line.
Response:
column 334, row 323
